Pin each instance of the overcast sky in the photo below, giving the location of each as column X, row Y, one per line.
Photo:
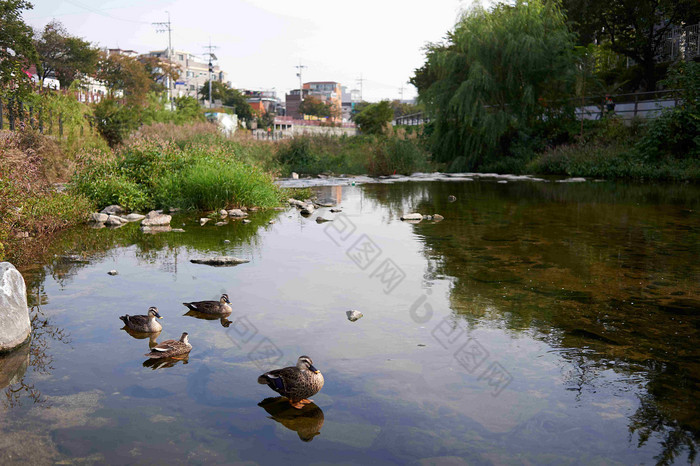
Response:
column 259, row 42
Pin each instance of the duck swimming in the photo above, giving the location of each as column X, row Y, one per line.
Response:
column 222, row 306
column 171, row 348
column 144, row 324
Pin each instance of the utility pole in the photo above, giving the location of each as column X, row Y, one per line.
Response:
column 300, row 67
column 361, row 80
column 401, row 89
column 211, row 66
column 163, row 27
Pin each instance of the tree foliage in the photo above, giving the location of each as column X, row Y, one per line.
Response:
column 314, row 106
column 229, row 97
column 499, row 74
column 64, row 56
column 126, row 74
column 634, row 28
column 374, row 118
column 17, row 50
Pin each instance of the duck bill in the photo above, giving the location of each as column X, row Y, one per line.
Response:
column 314, row 370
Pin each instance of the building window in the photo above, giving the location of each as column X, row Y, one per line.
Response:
column 181, row 57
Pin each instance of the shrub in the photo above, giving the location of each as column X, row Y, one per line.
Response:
column 115, row 121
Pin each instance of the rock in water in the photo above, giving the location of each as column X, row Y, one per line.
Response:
column 98, row 217
column 203, row 220
column 413, row 216
column 354, row 315
column 237, row 213
column 438, row 217
column 112, row 272
column 154, row 219
column 14, row 314
column 220, row 261
column 451, row 198
column 295, row 176
column 113, row 210
column 134, row 217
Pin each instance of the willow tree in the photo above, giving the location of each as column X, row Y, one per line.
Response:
column 500, row 73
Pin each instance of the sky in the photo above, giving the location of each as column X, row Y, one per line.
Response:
column 259, row 43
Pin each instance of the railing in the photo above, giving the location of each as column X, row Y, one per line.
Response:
column 645, row 105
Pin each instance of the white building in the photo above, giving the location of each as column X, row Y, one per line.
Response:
column 194, row 72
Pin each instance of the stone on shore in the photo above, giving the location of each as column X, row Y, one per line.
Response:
column 154, row 219
column 296, row 202
column 15, row 326
column 354, row 315
column 115, row 220
column 413, row 216
column 113, row 209
column 307, row 209
column 221, row 261
column 134, row 217
column 98, row 217
column 295, row 175
column 203, row 221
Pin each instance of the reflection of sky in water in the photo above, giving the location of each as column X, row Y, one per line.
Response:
column 393, row 393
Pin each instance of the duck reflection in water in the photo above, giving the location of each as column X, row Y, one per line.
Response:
column 223, row 318
column 156, row 364
column 306, row 422
column 152, row 337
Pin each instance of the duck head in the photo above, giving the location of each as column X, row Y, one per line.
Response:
column 224, row 299
column 304, row 363
column 153, row 312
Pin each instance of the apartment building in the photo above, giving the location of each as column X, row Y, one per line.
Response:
column 194, row 72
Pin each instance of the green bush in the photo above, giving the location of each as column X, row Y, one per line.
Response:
column 115, row 121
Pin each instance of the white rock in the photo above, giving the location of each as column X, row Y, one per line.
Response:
column 295, row 175
column 98, row 217
column 112, row 272
column 134, row 217
column 438, row 217
column 237, row 213
column 114, row 220
column 153, row 218
column 223, row 213
column 203, row 221
column 15, row 326
column 413, row 216
column 354, row 315
column 245, row 220
column 307, row 209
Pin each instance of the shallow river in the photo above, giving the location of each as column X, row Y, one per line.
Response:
column 538, row 323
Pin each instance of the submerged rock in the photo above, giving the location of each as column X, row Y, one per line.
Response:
column 220, row 261
column 245, row 220
column 15, row 326
column 354, row 315
column 220, row 224
column 413, row 216
column 156, row 229
column 438, row 218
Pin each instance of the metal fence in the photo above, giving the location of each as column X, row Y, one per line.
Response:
column 15, row 114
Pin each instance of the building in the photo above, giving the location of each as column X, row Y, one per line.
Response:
column 194, row 72
column 327, row 91
column 263, row 101
column 350, row 98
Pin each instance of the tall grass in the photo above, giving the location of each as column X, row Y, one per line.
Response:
column 150, row 173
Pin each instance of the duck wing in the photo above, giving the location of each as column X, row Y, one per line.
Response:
column 136, row 320
column 278, row 379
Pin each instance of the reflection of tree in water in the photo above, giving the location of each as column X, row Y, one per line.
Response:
column 605, row 272
column 40, row 358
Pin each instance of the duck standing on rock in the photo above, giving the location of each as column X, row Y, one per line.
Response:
column 297, row 383
column 144, row 324
column 222, row 306
column 171, row 348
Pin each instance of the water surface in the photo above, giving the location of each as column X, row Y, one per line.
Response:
column 540, row 322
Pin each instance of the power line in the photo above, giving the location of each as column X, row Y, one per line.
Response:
column 300, row 67
column 163, row 27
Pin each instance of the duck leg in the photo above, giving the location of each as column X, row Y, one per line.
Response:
column 305, row 401
column 296, row 404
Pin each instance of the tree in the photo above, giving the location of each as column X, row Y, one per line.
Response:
column 159, row 71
column 402, row 108
column 126, row 74
column 65, row 56
column 634, row 28
column 17, row 51
column 314, row 106
column 374, row 118
column 499, row 74
column 228, row 97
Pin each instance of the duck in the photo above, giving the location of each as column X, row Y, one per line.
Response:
column 144, row 324
column 296, row 383
column 171, row 348
column 222, row 306
column 306, row 422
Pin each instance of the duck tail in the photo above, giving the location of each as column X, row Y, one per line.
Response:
column 190, row 306
column 125, row 318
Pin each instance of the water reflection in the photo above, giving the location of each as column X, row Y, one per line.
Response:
column 223, row 318
column 306, row 422
column 604, row 271
column 152, row 337
column 165, row 363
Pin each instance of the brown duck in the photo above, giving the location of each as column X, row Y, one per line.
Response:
column 171, row 348
column 222, row 306
column 297, row 383
column 143, row 324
